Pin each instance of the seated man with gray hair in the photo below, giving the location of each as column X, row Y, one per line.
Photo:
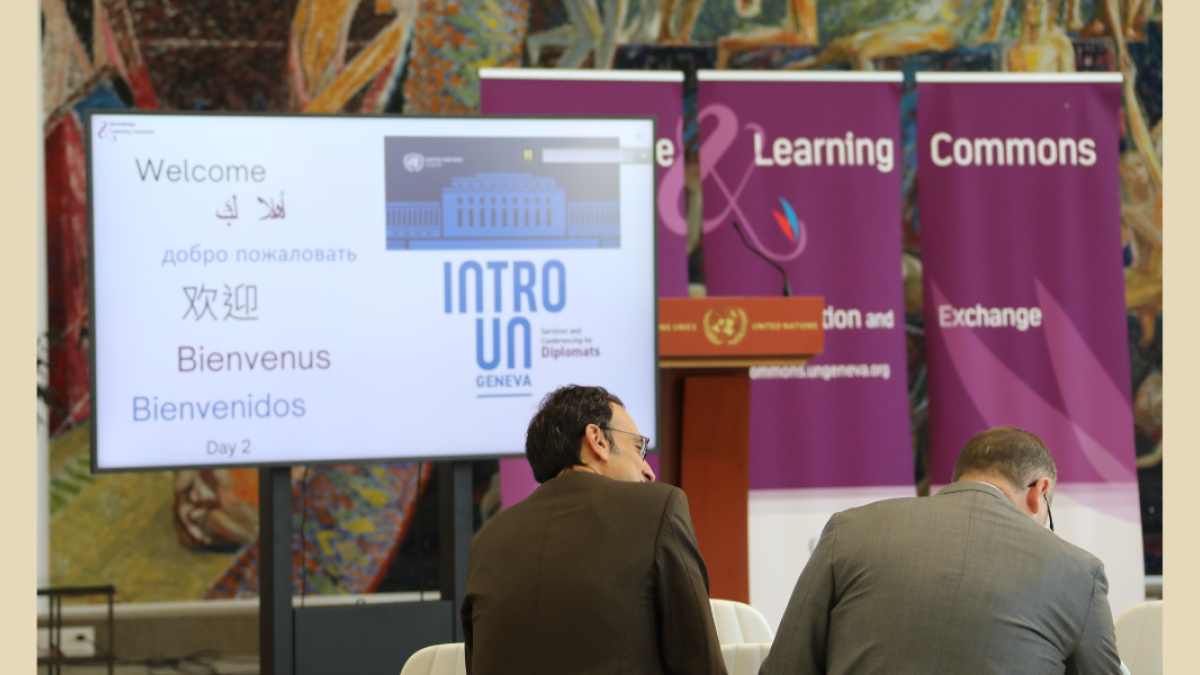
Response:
column 968, row 581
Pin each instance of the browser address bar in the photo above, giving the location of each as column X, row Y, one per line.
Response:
column 597, row 155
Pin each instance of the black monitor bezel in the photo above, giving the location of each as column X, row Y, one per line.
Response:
column 91, row 289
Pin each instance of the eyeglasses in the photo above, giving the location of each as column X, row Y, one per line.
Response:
column 645, row 441
column 1047, row 500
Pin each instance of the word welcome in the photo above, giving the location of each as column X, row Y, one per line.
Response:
column 200, row 173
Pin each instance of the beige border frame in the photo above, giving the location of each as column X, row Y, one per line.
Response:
column 19, row 154
column 1181, row 397
column 20, row 146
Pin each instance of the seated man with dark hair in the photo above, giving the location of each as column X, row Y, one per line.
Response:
column 597, row 571
column 968, row 581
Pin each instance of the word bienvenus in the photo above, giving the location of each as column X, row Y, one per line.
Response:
column 517, row 288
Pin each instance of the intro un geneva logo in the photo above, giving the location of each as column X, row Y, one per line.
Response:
column 414, row 161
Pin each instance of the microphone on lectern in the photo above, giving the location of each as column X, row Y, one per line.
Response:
column 787, row 286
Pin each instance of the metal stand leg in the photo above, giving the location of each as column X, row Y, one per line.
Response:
column 56, row 633
column 457, row 526
column 275, row 571
column 277, row 619
column 112, row 632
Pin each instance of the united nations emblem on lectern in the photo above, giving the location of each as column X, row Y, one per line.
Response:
column 725, row 325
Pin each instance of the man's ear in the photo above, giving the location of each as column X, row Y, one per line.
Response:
column 1046, row 485
column 599, row 445
column 1033, row 497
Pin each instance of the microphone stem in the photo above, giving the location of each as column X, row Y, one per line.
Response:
column 787, row 286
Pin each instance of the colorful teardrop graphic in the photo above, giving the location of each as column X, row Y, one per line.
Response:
column 783, row 225
column 789, row 223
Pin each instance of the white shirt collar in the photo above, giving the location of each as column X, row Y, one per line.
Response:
column 993, row 487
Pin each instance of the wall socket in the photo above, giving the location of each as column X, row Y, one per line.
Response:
column 76, row 641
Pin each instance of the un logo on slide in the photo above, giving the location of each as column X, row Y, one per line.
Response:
column 414, row 161
column 725, row 325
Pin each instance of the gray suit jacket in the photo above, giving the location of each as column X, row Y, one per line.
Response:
column 590, row 575
column 957, row 584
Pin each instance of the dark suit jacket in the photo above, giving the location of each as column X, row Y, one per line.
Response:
column 956, row 584
column 590, row 575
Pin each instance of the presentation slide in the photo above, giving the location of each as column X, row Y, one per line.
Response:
column 302, row 289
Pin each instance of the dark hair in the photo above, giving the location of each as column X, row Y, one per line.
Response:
column 1007, row 452
column 552, row 441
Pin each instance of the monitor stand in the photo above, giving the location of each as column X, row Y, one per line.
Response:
column 363, row 639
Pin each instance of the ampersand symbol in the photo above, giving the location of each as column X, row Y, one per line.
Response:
column 712, row 149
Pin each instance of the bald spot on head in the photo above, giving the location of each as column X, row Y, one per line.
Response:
column 1013, row 455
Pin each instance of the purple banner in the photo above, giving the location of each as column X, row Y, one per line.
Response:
column 530, row 91
column 1024, row 292
column 809, row 166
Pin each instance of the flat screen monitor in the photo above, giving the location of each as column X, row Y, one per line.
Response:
column 297, row 289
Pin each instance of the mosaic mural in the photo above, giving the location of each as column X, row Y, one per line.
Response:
column 192, row 535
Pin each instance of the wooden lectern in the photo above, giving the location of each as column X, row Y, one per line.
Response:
column 706, row 348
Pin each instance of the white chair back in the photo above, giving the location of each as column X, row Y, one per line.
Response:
column 744, row 659
column 1140, row 638
column 739, row 623
column 448, row 659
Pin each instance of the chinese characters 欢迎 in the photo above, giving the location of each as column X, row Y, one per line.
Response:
column 240, row 302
